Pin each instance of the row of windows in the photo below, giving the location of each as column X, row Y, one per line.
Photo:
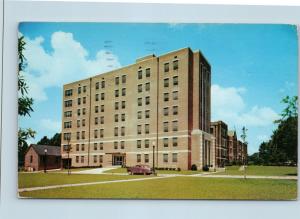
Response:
column 83, row 100
column 167, row 81
column 79, row 89
column 140, row 101
column 167, row 66
column 97, row 108
column 123, row 105
column 95, row 159
column 99, row 118
column 123, row 92
column 98, row 85
column 140, row 87
column 174, row 96
column 139, row 129
column 174, row 110
column 83, row 110
column 117, row 117
column 147, row 114
column 174, row 126
column 147, row 73
column 69, row 92
column 97, row 96
column 165, row 158
column 117, row 80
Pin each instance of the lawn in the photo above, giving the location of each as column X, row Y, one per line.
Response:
column 184, row 172
column 180, row 188
column 261, row 171
column 27, row 180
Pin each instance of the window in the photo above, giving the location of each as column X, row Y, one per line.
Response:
column 101, row 146
column 147, row 86
column 123, row 91
column 84, row 89
column 97, row 85
column 147, row 114
column 116, row 93
column 174, row 157
column 140, row 74
column 147, row 100
column 116, row 131
column 123, row 79
column 79, row 90
column 138, row 158
column 83, row 111
column 123, row 104
column 166, row 111
column 175, row 125
column 147, row 143
column 175, row 95
column 95, row 146
column 84, row 100
column 68, row 103
column 146, row 156
column 116, row 118
column 77, row 159
column 115, row 145
column 140, row 101
column 102, row 120
column 83, row 122
column 78, row 112
column 67, row 136
column 122, row 131
column 175, row 141
column 148, row 72
column 78, row 135
column 166, row 96
column 175, row 65
column 166, row 67
column 165, row 156
column 166, row 82
column 97, row 97
column 68, row 114
column 175, row 110
column 166, row 142
column 166, row 126
column 147, row 128
column 175, row 80
column 139, row 129
column 77, row 147
column 140, row 88
column 116, row 105
column 102, row 84
column 117, row 81
column 82, row 147
column 31, row 159
column 102, row 96
column 139, row 114
column 83, row 134
column 67, row 125
column 68, row 93
column 102, row 108
column 96, row 120
column 95, row 158
column 78, row 101
column 101, row 158
column 123, row 117
column 138, row 143
column 82, row 159
column 122, row 144
column 78, row 123
column 96, row 109
column 101, row 133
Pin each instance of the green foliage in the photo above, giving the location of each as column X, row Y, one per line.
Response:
column 54, row 141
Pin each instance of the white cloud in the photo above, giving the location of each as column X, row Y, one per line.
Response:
column 50, row 125
column 228, row 105
column 69, row 61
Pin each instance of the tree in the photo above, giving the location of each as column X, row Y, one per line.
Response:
column 24, row 103
column 54, row 141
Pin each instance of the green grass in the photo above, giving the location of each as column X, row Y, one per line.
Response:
column 262, row 171
column 183, row 172
column 180, row 188
column 27, row 180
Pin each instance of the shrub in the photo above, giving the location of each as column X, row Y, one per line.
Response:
column 194, row 167
column 178, row 169
column 100, row 165
column 205, row 168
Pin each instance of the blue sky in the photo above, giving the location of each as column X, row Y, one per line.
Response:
column 253, row 66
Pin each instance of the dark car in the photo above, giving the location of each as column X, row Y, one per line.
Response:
column 140, row 169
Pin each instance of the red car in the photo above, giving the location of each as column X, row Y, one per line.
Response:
column 140, row 169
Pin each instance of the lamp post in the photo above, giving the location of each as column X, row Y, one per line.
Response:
column 153, row 157
column 45, row 160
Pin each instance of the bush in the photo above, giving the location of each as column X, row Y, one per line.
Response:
column 194, row 167
column 205, row 168
column 100, row 165
column 178, row 169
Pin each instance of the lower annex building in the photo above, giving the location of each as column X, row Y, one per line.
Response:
column 158, row 108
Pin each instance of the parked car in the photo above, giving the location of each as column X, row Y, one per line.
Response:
column 140, row 169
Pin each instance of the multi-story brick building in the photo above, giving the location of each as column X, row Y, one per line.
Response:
column 219, row 130
column 232, row 147
column 158, row 104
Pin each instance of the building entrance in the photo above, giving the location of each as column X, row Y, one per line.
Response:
column 118, row 160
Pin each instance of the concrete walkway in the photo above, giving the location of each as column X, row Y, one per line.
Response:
column 89, row 183
column 242, row 176
column 96, row 170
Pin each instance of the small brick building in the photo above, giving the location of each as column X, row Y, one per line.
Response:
column 36, row 158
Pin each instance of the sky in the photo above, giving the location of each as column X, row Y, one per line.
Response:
column 253, row 66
